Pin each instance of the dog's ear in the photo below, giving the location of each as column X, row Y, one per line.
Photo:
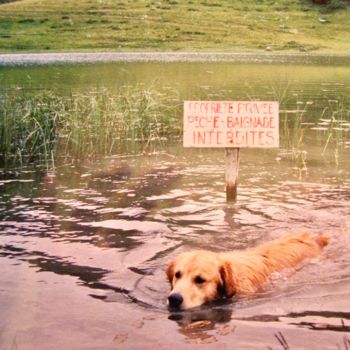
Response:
column 229, row 287
column 170, row 271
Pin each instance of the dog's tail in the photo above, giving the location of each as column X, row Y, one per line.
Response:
column 322, row 240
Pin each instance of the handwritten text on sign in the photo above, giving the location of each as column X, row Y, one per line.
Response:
column 231, row 124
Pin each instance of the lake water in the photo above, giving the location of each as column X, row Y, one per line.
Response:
column 84, row 247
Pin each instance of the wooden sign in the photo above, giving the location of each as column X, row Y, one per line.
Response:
column 231, row 124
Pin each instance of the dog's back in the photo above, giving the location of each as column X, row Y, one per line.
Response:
column 291, row 250
column 252, row 268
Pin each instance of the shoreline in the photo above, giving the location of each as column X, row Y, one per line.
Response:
column 29, row 59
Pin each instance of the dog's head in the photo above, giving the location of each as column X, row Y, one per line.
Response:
column 199, row 277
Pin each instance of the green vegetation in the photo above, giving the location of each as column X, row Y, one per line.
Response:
column 188, row 25
column 27, row 129
column 45, row 127
column 293, row 135
column 333, row 128
column 331, row 132
column 36, row 128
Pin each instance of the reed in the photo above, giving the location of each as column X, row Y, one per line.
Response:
column 28, row 128
column 335, row 122
column 44, row 126
column 49, row 128
column 330, row 132
column 293, row 132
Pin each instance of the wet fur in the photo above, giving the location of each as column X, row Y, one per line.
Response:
column 237, row 272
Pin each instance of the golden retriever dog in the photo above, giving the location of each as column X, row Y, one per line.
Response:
column 199, row 277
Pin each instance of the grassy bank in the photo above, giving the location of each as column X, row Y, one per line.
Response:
column 85, row 25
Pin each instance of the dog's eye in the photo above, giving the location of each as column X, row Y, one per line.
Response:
column 199, row 280
column 178, row 274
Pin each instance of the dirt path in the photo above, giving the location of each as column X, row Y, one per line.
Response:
column 19, row 59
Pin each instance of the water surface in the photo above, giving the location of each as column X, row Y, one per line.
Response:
column 84, row 247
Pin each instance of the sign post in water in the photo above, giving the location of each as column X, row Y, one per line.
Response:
column 231, row 125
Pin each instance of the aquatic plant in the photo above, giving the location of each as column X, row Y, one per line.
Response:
column 103, row 122
column 37, row 128
column 333, row 128
column 28, row 128
column 293, row 134
column 47, row 127
column 330, row 131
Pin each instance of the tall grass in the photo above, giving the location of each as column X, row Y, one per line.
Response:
column 334, row 126
column 102, row 122
column 293, row 136
column 40, row 127
column 28, row 128
column 44, row 127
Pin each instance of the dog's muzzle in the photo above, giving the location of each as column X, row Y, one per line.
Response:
column 175, row 300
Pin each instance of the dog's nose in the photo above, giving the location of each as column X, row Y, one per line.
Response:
column 175, row 300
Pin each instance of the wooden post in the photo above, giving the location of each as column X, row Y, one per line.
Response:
column 232, row 167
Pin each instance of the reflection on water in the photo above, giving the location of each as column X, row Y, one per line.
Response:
column 83, row 248
column 196, row 325
column 299, row 87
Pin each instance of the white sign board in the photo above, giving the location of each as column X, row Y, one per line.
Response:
column 231, row 124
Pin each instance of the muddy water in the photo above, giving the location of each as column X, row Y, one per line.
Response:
column 83, row 248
